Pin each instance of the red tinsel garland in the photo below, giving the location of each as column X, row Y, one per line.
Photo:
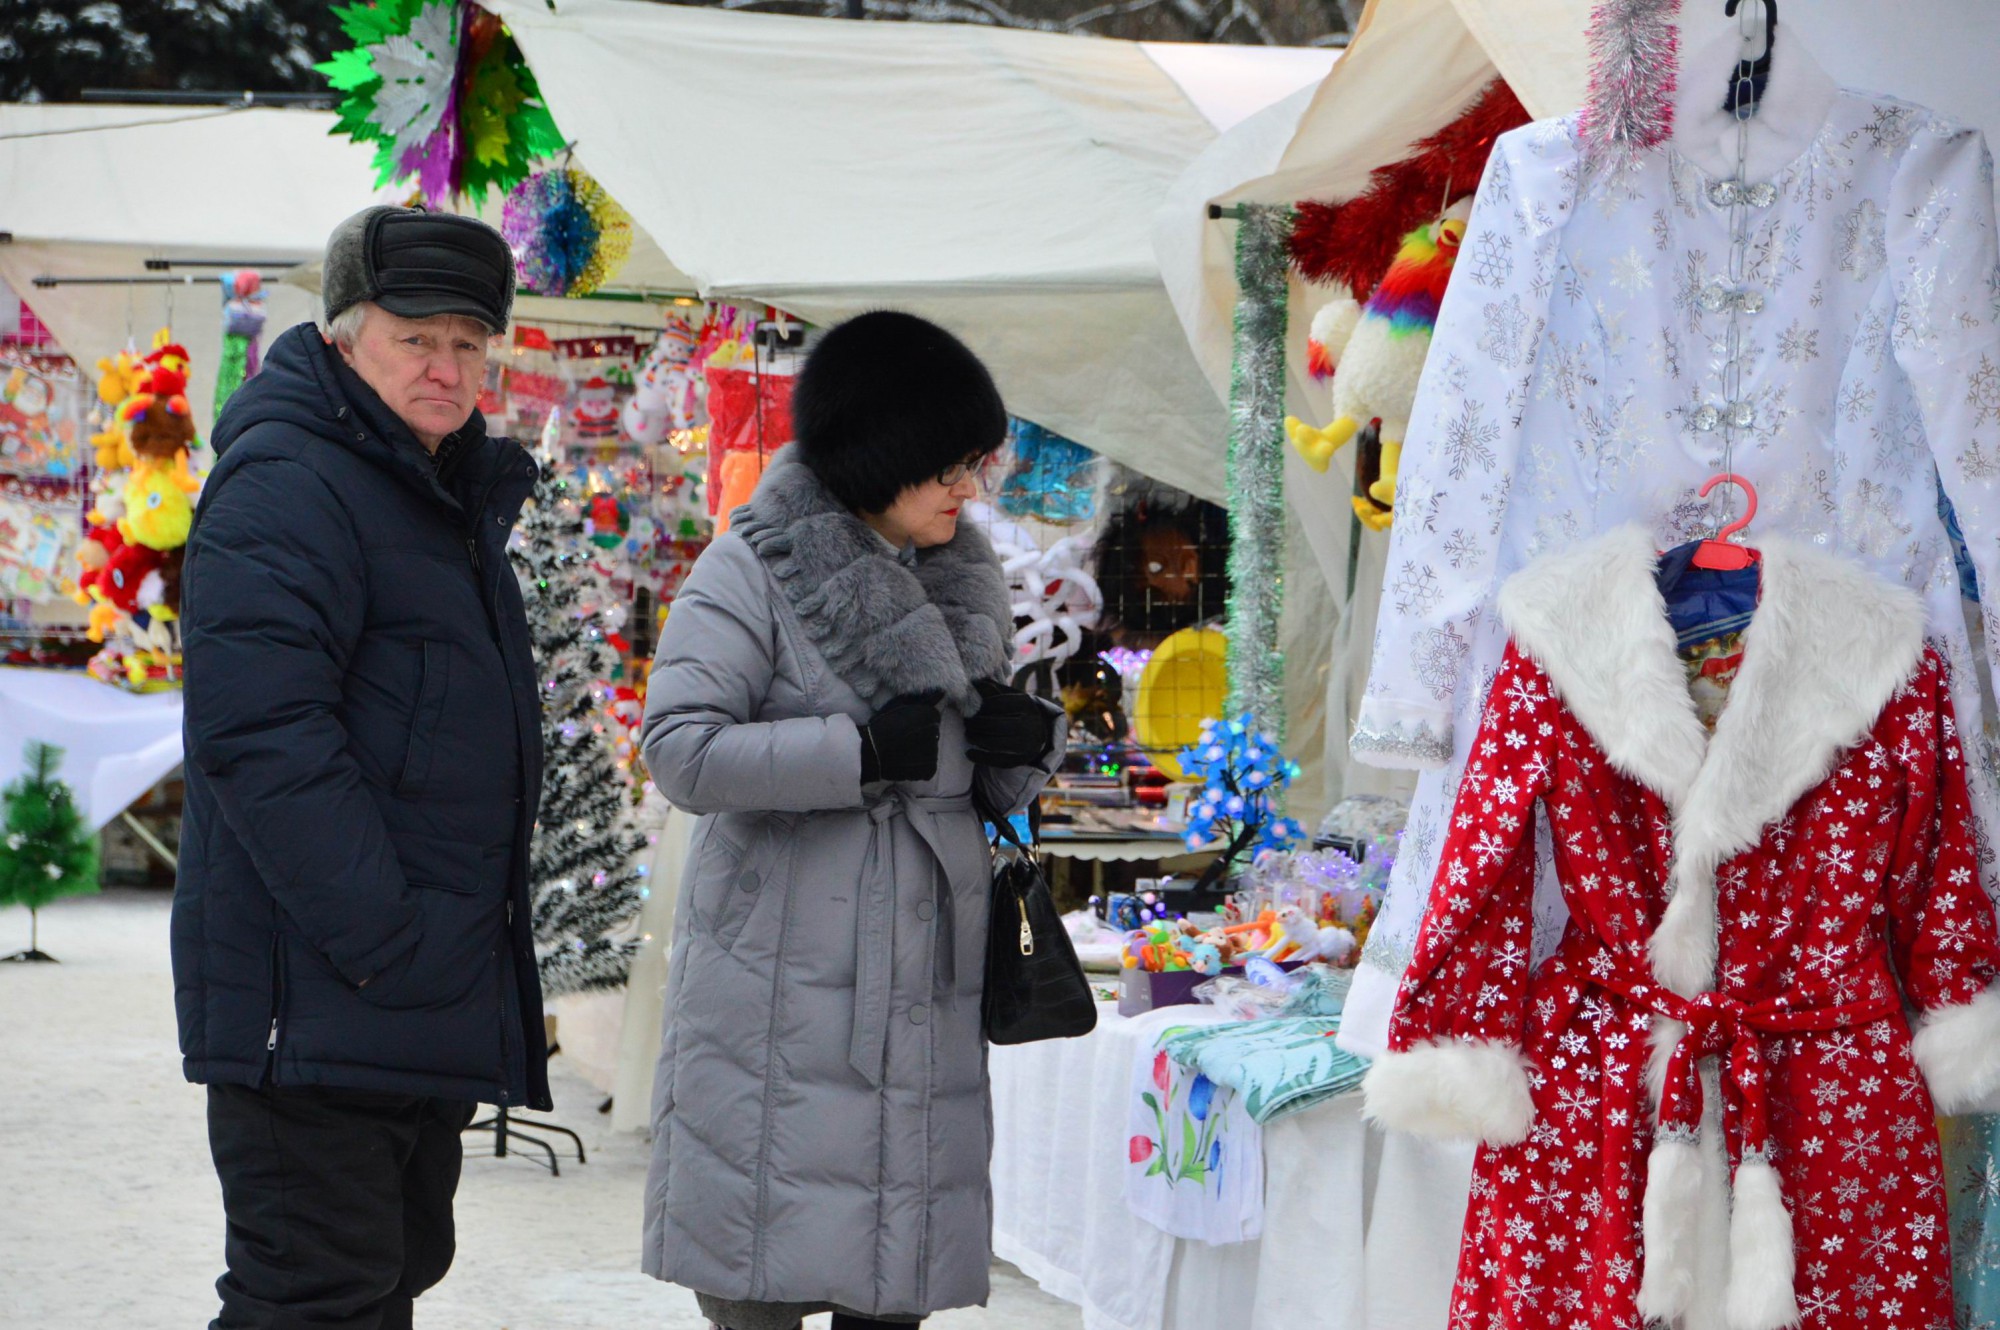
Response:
column 1355, row 242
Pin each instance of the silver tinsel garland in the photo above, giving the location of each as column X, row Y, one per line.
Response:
column 1257, row 467
column 1634, row 61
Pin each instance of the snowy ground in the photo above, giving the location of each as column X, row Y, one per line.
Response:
column 109, row 1213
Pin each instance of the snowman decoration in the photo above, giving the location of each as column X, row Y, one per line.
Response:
column 661, row 398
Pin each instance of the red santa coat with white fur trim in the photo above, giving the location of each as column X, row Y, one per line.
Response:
column 1749, row 913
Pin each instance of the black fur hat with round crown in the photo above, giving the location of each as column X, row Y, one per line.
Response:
column 887, row 400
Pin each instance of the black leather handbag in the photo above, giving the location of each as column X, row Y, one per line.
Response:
column 1035, row 987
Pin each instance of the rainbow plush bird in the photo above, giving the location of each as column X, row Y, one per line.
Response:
column 1376, row 353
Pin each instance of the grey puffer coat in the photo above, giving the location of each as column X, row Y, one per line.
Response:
column 822, row 1124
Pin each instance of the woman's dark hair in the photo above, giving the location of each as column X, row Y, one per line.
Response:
column 887, row 400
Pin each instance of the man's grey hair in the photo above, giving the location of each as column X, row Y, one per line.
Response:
column 343, row 328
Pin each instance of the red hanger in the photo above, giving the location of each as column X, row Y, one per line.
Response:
column 1721, row 552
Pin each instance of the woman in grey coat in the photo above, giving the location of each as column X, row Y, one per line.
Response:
column 827, row 697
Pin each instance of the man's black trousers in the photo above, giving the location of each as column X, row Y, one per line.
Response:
column 338, row 1204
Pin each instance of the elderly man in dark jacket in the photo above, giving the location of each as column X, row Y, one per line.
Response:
column 353, row 967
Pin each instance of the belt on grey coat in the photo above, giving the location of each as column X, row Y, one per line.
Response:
column 875, row 920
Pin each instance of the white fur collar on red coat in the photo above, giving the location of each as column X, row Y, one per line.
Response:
column 1828, row 646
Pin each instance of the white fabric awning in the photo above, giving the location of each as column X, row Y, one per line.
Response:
column 1001, row 182
column 96, row 190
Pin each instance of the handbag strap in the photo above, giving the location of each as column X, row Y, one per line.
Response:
column 1003, row 828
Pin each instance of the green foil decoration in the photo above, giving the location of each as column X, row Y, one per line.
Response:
column 1257, row 466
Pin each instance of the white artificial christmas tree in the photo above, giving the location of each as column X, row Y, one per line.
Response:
column 584, row 875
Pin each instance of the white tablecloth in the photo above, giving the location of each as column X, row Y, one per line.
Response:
column 116, row 745
column 1360, row 1230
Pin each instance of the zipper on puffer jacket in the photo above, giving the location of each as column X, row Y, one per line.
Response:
column 277, row 1006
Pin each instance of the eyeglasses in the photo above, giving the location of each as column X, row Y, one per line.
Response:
column 958, row 471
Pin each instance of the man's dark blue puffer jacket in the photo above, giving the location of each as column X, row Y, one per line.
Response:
column 363, row 752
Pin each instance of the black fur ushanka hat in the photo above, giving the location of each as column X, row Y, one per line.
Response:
column 888, row 400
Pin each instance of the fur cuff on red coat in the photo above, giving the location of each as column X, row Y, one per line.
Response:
column 1461, row 1089
column 1958, row 1049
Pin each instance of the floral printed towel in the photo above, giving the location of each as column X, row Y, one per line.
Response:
column 1197, row 1160
column 1277, row 1066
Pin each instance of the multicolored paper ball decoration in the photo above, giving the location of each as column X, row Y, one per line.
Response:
column 569, row 236
column 443, row 90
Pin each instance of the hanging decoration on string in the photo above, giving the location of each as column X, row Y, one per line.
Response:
column 242, row 325
column 1257, row 466
column 569, row 237
column 442, row 89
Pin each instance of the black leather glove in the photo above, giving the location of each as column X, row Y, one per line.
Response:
column 901, row 742
column 1012, row 729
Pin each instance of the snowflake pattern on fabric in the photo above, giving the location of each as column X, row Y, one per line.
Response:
column 1416, row 589
column 1439, row 657
column 1864, row 246
column 1506, row 330
column 1866, row 888
column 1468, row 441
column 1983, row 393
column 1798, row 344
column 1491, row 259
column 1578, row 401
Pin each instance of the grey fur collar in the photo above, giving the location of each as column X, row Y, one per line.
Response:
column 885, row 628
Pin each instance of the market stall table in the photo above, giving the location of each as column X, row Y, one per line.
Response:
column 1059, row 1213
column 1097, row 848
column 116, row 745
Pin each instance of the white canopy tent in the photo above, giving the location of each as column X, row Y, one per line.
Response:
column 1413, row 66
column 96, row 190
column 1001, row 182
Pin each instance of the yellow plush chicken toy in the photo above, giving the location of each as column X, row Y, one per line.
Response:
column 1375, row 353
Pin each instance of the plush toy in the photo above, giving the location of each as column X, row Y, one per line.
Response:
column 1302, row 938
column 160, row 592
column 1254, row 934
column 1203, row 958
column 114, row 450
column 1377, row 364
column 1226, row 947
column 158, row 513
column 242, row 325
column 117, row 588
column 167, row 366
column 161, row 427
column 118, row 377
column 92, row 555
column 1352, row 244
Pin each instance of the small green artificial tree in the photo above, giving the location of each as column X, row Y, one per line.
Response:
column 46, row 851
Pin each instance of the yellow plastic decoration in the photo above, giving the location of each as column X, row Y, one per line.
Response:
column 1185, row 683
